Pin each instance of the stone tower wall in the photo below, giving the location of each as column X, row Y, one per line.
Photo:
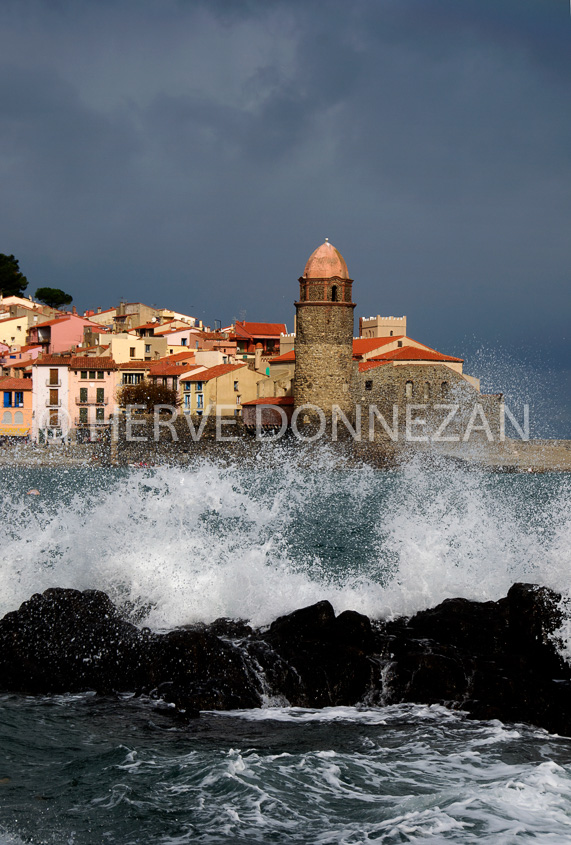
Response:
column 324, row 355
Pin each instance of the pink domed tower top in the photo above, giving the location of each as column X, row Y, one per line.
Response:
column 326, row 262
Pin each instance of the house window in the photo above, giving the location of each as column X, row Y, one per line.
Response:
column 165, row 381
column 186, row 386
column 100, row 414
column 390, row 334
column 174, row 382
column 399, row 343
column 54, row 379
column 18, row 418
column 92, row 375
column 409, row 389
column 101, row 374
column 198, row 388
column 236, row 386
column 84, row 374
column 368, row 385
column 7, row 398
column 183, row 341
column 200, row 401
column 132, row 378
column 187, row 400
column 83, row 394
column 147, row 348
column 225, row 359
column 427, row 390
column 7, row 418
column 100, row 395
column 83, row 415
column 54, row 419
column 238, row 399
column 131, row 352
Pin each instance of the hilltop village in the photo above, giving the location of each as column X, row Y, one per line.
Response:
column 62, row 372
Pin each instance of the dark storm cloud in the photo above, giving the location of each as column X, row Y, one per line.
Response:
column 196, row 152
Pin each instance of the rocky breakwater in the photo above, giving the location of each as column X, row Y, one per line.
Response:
column 494, row 659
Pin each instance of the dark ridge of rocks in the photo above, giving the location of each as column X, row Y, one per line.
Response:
column 491, row 659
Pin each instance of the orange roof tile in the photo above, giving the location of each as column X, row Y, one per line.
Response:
column 84, row 362
column 244, row 329
column 52, row 361
column 284, row 359
column 135, row 365
column 178, row 356
column 272, row 400
column 362, row 345
column 213, row 372
column 411, row 353
column 15, row 383
column 370, row 365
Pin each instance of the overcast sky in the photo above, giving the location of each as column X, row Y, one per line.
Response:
column 193, row 154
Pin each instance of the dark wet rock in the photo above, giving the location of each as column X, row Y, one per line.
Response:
column 68, row 641
column 495, row 660
column 328, row 655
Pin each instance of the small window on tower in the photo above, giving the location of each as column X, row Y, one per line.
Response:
column 334, row 293
column 399, row 343
column 368, row 385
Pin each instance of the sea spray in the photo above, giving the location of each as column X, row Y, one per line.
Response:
column 251, row 541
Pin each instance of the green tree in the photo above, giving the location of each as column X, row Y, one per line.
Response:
column 149, row 394
column 54, row 297
column 12, row 282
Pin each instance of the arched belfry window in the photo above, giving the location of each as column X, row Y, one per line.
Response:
column 444, row 388
column 427, row 390
column 334, row 293
column 408, row 389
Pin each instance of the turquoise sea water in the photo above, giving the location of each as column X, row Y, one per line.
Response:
column 185, row 545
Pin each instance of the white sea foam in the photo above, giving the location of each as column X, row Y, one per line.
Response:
column 208, row 541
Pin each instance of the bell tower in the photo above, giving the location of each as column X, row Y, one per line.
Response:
column 324, row 333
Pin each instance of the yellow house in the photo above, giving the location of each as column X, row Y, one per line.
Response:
column 223, row 389
column 16, row 394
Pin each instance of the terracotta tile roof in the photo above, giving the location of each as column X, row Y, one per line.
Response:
column 152, row 325
column 244, row 329
column 178, row 356
column 411, row 353
column 272, row 400
column 83, row 362
column 21, row 363
column 213, row 372
column 284, row 359
column 164, row 369
column 15, row 383
column 51, row 322
column 135, row 365
column 362, row 345
column 370, row 365
column 52, row 361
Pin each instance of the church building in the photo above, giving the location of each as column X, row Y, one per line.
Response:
column 407, row 383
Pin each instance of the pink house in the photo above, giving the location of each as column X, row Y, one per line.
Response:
column 59, row 335
column 91, row 394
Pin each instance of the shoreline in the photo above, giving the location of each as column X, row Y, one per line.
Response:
column 537, row 456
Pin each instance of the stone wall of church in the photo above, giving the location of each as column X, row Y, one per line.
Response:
column 324, row 356
column 416, row 400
